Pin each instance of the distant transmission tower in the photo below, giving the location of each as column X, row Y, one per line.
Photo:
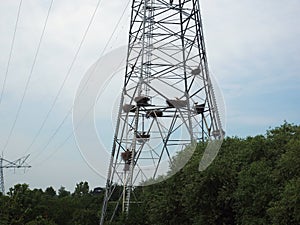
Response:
column 17, row 164
column 167, row 100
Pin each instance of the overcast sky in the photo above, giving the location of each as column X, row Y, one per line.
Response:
column 253, row 51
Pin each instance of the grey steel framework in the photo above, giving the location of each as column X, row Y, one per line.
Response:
column 167, row 101
column 5, row 164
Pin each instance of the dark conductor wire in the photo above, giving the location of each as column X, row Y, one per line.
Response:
column 10, row 52
column 75, row 128
column 85, row 84
column 64, row 81
column 29, row 78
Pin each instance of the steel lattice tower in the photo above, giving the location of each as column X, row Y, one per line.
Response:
column 5, row 164
column 167, row 100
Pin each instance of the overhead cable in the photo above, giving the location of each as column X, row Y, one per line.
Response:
column 11, row 51
column 29, row 77
column 85, row 84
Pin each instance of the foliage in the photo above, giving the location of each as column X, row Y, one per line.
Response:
column 253, row 180
column 38, row 207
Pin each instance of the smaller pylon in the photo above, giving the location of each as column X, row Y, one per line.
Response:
column 17, row 164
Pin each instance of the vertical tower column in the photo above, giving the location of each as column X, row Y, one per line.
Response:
column 2, row 176
column 167, row 99
column 17, row 164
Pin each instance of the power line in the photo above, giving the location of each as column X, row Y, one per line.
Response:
column 29, row 77
column 85, row 84
column 10, row 52
column 75, row 128
column 6, row 164
column 65, row 78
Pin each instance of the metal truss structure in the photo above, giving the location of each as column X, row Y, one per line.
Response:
column 167, row 101
column 17, row 164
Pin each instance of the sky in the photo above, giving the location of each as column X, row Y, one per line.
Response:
column 253, row 53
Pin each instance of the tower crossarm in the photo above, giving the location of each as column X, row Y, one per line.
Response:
column 167, row 102
column 6, row 164
column 19, row 163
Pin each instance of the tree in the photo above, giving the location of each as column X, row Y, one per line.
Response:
column 19, row 203
column 253, row 180
column 81, row 189
column 286, row 211
column 50, row 192
column 85, row 216
column 62, row 192
column 41, row 221
column 255, row 191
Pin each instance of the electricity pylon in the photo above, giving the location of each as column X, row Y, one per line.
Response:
column 167, row 100
column 17, row 164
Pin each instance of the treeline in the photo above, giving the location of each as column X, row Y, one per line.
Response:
column 253, row 181
column 22, row 206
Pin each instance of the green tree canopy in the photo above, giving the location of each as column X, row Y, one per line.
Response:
column 252, row 181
